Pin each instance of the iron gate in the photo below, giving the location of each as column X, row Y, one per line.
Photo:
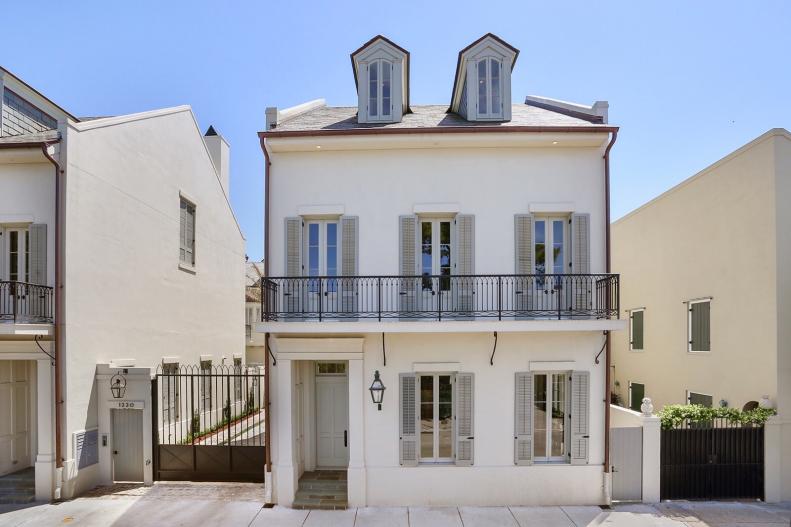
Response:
column 208, row 423
column 717, row 460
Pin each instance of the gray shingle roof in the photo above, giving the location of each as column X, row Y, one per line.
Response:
column 38, row 137
column 424, row 116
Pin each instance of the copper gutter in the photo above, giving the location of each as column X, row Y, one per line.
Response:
column 268, row 420
column 44, row 145
column 438, row 130
column 607, row 361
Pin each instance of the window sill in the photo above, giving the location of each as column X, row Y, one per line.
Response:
column 436, row 464
column 700, row 352
column 637, row 351
column 188, row 268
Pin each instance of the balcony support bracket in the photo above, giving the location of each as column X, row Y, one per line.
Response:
column 494, row 349
column 274, row 360
column 384, row 350
column 596, row 360
column 36, row 338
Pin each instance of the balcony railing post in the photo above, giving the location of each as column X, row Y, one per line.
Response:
column 439, row 301
column 321, row 301
column 379, row 296
column 499, row 298
column 13, row 300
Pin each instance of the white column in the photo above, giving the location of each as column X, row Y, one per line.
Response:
column 651, row 458
column 283, row 425
column 45, row 457
column 356, row 471
column 773, row 460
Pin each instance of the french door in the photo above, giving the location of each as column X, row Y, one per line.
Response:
column 551, row 416
column 321, row 259
column 436, row 418
column 435, row 260
column 551, row 256
column 16, row 264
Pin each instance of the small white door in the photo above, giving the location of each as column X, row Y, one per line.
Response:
column 127, row 445
column 332, row 419
column 626, row 456
column 14, row 416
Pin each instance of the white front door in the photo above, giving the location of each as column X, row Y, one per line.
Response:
column 321, row 259
column 435, row 262
column 14, row 416
column 127, row 439
column 332, row 416
column 551, row 258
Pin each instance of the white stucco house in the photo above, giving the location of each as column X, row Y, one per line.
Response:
column 458, row 252
column 119, row 252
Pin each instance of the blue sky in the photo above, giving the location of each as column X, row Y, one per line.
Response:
column 687, row 81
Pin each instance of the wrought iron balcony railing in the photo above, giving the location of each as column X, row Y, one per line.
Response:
column 24, row 302
column 514, row 297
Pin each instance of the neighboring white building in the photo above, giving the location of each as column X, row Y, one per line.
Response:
column 120, row 252
column 458, row 250
column 254, row 341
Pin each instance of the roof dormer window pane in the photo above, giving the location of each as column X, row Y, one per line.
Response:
column 373, row 88
column 386, row 89
column 495, row 85
column 483, row 107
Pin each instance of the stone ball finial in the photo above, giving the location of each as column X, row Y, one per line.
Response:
column 647, row 407
column 765, row 402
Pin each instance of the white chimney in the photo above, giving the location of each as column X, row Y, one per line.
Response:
column 221, row 157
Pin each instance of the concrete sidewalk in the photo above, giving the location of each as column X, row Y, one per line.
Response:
column 218, row 504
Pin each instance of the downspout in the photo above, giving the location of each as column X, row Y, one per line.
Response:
column 59, row 303
column 607, row 361
column 267, row 421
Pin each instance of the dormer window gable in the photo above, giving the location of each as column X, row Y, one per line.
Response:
column 482, row 87
column 381, row 73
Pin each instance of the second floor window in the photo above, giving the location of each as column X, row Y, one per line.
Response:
column 549, row 239
column 435, row 253
column 490, row 95
column 321, row 252
column 18, row 255
column 380, row 74
column 187, row 233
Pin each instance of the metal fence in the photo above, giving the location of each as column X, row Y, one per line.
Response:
column 452, row 297
column 209, row 423
column 25, row 302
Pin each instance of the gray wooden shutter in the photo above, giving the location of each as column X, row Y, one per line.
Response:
column 464, row 289
column 183, row 232
column 38, row 253
column 700, row 331
column 408, row 420
column 523, row 419
column 523, row 260
column 349, row 264
column 582, row 293
column 464, row 389
column 407, row 264
column 580, row 413
column 295, row 289
column 637, row 330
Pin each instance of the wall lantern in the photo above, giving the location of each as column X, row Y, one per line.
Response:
column 118, row 386
column 377, row 390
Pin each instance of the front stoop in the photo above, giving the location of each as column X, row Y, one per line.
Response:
column 322, row 490
column 19, row 487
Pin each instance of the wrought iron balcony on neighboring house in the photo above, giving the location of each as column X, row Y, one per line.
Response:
column 21, row 302
column 501, row 297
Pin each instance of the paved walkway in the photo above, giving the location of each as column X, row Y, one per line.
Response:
column 232, row 504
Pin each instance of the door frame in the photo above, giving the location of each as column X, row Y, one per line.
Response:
column 564, row 458
column 429, row 298
column 316, row 378
column 322, row 295
column 139, row 435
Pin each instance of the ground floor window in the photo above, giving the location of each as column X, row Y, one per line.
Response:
column 436, row 418
column 636, row 394
column 550, row 419
column 700, row 398
column 206, row 388
column 237, row 379
column 170, row 392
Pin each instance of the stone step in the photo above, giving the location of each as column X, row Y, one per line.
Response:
column 4, row 485
column 6, row 499
column 325, row 499
column 321, row 484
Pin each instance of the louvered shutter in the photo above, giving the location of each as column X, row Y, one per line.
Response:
column 407, row 264
column 637, row 330
column 582, row 293
column 349, row 264
column 523, row 419
column 580, row 413
column 408, row 420
column 464, row 286
column 38, row 253
column 294, row 289
column 523, row 251
column 464, row 390
column 700, row 331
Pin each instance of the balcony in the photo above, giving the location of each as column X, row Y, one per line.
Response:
column 24, row 303
column 438, row 298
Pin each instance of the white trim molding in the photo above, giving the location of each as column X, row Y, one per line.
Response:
column 436, row 208
column 433, row 367
column 549, row 208
column 565, row 365
column 320, row 210
column 317, row 348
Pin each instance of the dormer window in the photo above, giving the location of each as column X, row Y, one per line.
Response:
column 381, row 71
column 482, row 87
column 380, row 75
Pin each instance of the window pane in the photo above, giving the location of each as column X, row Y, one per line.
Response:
column 373, row 88
column 13, row 253
column 426, row 259
column 27, row 256
column 332, row 234
column 386, row 67
column 540, row 255
column 540, row 416
column 427, row 416
column 558, row 415
column 495, row 85
column 445, row 417
column 483, row 108
column 557, row 247
column 332, row 255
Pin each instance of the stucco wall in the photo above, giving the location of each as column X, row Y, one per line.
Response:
column 713, row 235
column 493, row 479
column 492, row 183
column 126, row 297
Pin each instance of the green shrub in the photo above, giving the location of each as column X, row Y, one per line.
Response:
column 675, row 415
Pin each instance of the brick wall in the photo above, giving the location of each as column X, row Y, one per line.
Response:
column 21, row 117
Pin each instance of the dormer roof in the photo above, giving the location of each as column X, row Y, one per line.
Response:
column 381, row 47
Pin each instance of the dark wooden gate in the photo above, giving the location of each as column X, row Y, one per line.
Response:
column 208, row 423
column 712, row 461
